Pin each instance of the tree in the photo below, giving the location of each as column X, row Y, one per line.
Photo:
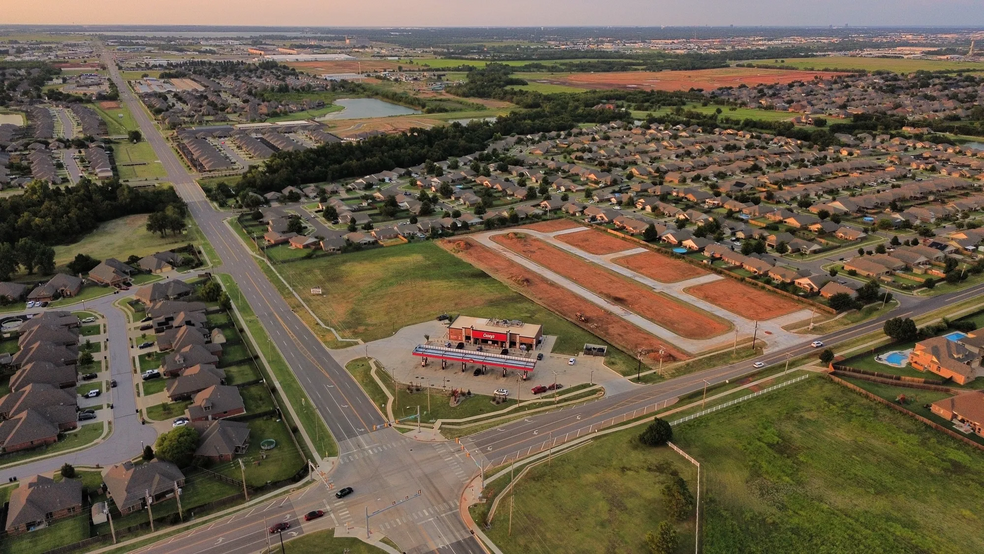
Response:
column 678, row 499
column 83, row 263
column 841, row 302
column 85, row 358
column 177, row 446
column 210, row 291
column 658, row 432
column 895, row 241
column 650, row 234
column 782, row 248
column 148, row 453
column 31, row 254
column 664, row 540
column 901, row 329
column 294, row 225
column 868, row 293
column 330, row 213
column 134, row 136
column 823, row 214
column 8, row 261
column 826, row 356
column 68, row 471
column 225, row 302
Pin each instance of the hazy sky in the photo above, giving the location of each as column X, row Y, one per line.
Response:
column 372, row 13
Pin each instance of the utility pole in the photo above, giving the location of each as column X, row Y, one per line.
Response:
column 697, row 523
column 812, row 313
column 885, row 300
column 267, row 533
column 755, row 334
column 704, row 399
column 282, row 551
column 512, row 502
column 150, row 513
column 418, row 421
column 735, row 351
column 110, row 516
column 177, row 496
column 242, row 469
column 787, row 364
column 662, row 351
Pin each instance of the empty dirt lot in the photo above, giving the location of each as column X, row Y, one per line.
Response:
column 707, row 79
column 661, row 268
column 565, row 303
column 677, row 316
column 596, row 242
column 745, row 300
column 552, row 225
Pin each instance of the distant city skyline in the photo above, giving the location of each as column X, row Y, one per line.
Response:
column 474, row 13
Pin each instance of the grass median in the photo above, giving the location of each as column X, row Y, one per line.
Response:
column 289, row 386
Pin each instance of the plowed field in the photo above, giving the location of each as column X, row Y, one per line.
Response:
column 661, row 268
column 596, row 242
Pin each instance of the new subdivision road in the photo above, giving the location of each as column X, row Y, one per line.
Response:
column 384, row 467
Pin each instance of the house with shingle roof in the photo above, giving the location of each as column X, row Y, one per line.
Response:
column 160, row 262
column 222, row 440
column 40, row 500
column 946, row 358
column 170, row 289
column 57, row 405
column 12, row 291
column 193, row 380
column 59, row 286
column 188, row 356
column 966, row 408
column 216, row 402
column 129, row 485
column 56, row 375
column 26, row 430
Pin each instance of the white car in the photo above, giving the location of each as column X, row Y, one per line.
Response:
column 816, row 344
column 501, row 392
column 30, row 304
column 88, row 320
column 571, row 361
column 758, row 365
column 180, row 422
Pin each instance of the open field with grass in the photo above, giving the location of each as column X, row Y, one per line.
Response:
column 324, row 542
column 263, row 467
column 443, row 63
column 546, row 88
column 137, row 161
column 111, row 112
column 726, row 111
column 119, row 239
column 896, row 65
column 811, row 468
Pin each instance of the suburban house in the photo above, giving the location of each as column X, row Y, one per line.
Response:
column 216, row 402
column 171, row 289
column 194, row 380
column 966, row 408
column 833, row 287
column 160, row 262
column 221, row 441
column 12, row 292
column 57, row 405
column 39, row 501
column 946, row 358
column 179, row 338
column 59, row 286
column 111, row 272
column 56, row 375
column 26, row 430
column 866, row 268
column 188, row 356
column 129, row 485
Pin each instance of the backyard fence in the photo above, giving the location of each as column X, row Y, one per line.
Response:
column 892, row 376
column 895, row 383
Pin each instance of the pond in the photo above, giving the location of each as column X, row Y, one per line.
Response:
column 973, row 145
column 11, row 119
column 363, row 108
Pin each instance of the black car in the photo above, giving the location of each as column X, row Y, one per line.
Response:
column 87, row 411
column 539, row 356
column 83, row 416
column 461, row 346
column 443, row 317
column 477, row 372
column 112, row 384
column 147, row 344
column 88, row 376
column 146, row 326
column 505, row 352
column 342, row 493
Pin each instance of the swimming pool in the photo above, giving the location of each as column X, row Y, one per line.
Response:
column 897, row 358
column 680, row 250
column 955, row 336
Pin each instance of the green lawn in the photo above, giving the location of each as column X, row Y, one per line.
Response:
column 306, row 114
column 219, row 320
column 115, row 124
column 734, row 113
column 142, row 155
column 84, row 436
column 290, row 389
column 88, row 292
column 60, row 533
column 120, row 238
column 268, row 466
column 256, row 398
column 90, row 330
column 5, row 493
column 242, row 373
column 9, row 346
column 167, row 410
column 198, row 490
column 284, row 253
column 233, row 352
column 324, row 542
column 154, row 386
column 150, row 360
column 895, row 65
column 546, row 88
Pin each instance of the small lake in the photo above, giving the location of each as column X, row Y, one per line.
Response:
column 11, row 119
column 363, row 108
column 971, row 145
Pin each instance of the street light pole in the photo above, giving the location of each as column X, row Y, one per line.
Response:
column 704, row 399
column 787, row 364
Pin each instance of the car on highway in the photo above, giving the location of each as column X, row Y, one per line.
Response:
column 460, row 346
column 88, row 376
column 816, row 344
column 342, row 493
column 180, row 422
column 571, row 361
column 147, row 344
column 315, row 514
column 151, row 374
column 758, row 365
column 539, row 389
column 92, row 394
column 279, row 527
column 88, row 320
column 85, row 416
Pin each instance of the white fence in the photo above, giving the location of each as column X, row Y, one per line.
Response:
column 737, row 400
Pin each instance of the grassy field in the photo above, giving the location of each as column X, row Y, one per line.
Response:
column 59, row 533
column 443, row 63
column 734, row 113
column 306, row 114
column 84, row 436
column 115, row 124
column 324, row 542
column 546, row 88
column 154, row 386
column 119, row 239
column 167, row 410
column 139, row 153
column 895, row 65
column 813, row 468
column 263, row 467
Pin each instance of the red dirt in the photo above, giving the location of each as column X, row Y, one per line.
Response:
column 552, row 225
column 348, row 66
column 595, row 242
column 565, row 303
column 107, row 105
column 672, row 314
column 707, row 79
column 661, row 268
column 747, row 301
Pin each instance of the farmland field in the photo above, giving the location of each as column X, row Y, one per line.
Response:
column 595, row 242
column 661, row 268
column 707, row 79
column 811, row 468
column 677, row 316
column 601, row 322
column 896, row 65
column 745, row 300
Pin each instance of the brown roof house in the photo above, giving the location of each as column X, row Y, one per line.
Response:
column 12, row 292
column 111, row 272
column 222, row 440
column 170, row 289
column 40, row 500
column 56, row 375
column 186, row 357
column 130, row 485
column 946, row 358
column 59, row 406
column 59, row 286
column 194, row 380
column 216, row 402
column 160, row 262
column 966, row 408
column 26, row 430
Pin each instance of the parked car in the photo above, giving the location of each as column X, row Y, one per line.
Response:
column 87, row 411
column 443, row 317
column 147, row 327
column 758, row 365
column 147, row 344
column 44, row 304
column 151, row 374
column 554, row 386
column 342, row 493
column 539, row 389
column 477, row 372
column 460, row 346
column 539, row 356
column 505, row 352
column 30, row 303
column 89, row 320
column 313, row 515
column 279, row 527
column 112, row 383
column 816, row 344
column 88, row 376
column 85, row 416
column 180, row 422
column 501, row 392
column 92, row 394
column 572, row 361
